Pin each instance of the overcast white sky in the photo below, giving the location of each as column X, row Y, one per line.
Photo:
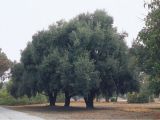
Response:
column 20, row 19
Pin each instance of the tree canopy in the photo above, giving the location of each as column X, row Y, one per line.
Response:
column 84, row 56
column 147, row 45
column 4, row 64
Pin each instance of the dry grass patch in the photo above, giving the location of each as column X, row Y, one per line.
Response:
column 101, row 111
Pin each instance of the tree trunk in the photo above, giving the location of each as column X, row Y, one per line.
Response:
column 52, row 98
column 89, row 100
column 106, row 98
column 67, row 99
column 89, row 103
column 117, row 93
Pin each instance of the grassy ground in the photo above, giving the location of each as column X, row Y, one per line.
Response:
column 101, row 111
column 7, row 99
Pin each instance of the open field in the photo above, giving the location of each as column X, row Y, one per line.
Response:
column 101, row 111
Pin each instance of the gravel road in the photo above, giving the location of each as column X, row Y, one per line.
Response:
column 7, row 114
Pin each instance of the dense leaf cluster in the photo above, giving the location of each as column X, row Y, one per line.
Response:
column 147, row 45
column 85, row 56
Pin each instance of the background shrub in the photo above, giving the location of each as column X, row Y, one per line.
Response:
column 7, row 99
column 60, row 97
column 113, row 99
column 137, row 98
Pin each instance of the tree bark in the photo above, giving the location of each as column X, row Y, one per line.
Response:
column 89, row 103
column 107, row 99
column 67, row 99
column 89, row 100
column 52, row 98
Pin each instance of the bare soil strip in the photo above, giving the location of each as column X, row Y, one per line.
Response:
column 101, row 111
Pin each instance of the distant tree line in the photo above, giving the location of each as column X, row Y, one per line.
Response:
column 85, row 56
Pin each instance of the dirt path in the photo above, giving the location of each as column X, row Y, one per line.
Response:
column 7, row 114
column 101, row 111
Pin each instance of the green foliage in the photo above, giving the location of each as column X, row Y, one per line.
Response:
column 7, row 99
column 137, row 98
column 145, row 84
column 16, row 82
column 60, row 97
column 148, row 45
column 154, row 86
column 49, row 73
column 5, row 63
column 113, row 99
column 1, row 85
column 145, row 94
column 86, row 78
column 85, row 56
